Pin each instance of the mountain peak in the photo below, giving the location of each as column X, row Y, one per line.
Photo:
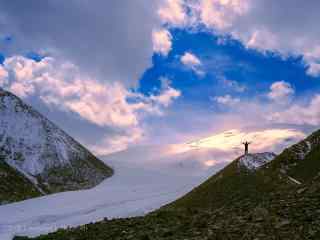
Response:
column 42, row 152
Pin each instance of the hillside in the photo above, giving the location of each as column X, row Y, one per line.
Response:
column 42, row 154
column 274, row 200
column 14, row 186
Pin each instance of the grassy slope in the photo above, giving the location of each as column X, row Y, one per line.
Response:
column 304, row 170
column 233, row 204
column 229, row 186
column 14, row 186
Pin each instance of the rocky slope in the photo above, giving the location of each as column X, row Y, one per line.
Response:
column 44, row 156
column 279, row 199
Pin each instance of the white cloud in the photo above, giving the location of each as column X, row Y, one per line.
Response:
column 119, row 142
column 3, row 76
column 260, row 113
column 173, row 12
column 227, row 100
column 260, row 25
column 281, row 91
column 61, row 85
column 161, row 41
column 167, row 96
column 262, row 140
column 299, row 113
column 262, row 39
column 314, row 68
column 233, row 85
column 192, row 61
column 222, row 13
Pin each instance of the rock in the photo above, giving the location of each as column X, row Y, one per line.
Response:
column 282, row 223
column 301, row 190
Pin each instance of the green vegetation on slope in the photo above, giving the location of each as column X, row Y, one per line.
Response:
column 301, row 161
column 14, row 186
column 83, row 174
column 229, row 186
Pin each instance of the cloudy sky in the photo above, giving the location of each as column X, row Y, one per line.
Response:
column 116, row 74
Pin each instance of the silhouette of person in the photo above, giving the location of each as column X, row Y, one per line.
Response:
column 246, row 147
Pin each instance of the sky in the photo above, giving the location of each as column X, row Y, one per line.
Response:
column 210, row 73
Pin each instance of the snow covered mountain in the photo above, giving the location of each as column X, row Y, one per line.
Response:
column 45, row 155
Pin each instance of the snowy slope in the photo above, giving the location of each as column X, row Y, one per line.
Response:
column 42, row 152
column 131, row 191
column 256, row 160
column 145, row 178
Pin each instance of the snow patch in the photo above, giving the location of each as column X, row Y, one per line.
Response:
column 255, row 161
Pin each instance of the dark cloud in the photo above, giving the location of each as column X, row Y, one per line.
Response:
column 110, row 39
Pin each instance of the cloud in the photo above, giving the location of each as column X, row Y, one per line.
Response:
column 262, row 140
column 161, row 41
column 284, row 109
column 103, row 38
column 63, row 86
column 168, row 95
column 221, row 13
column 172, row 12
column 281, row 91
column 3, row 76
column 233, row 85
column 227, row 100
column 299, row 113
column 260, row 25
column 192, row 61
column 118, row 142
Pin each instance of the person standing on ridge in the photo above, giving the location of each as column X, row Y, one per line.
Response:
column 246, row 147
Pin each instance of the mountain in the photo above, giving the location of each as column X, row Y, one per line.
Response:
column 254, row 197
column 38, row 157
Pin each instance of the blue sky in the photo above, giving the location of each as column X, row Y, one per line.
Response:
column 169, row 72
column 251, row 73
column 250, row 68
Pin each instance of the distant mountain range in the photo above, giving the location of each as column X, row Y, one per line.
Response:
column 257, row 196
column 37, row 157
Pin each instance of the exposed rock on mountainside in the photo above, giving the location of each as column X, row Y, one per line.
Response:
column 254, row 161
column 42, row 153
